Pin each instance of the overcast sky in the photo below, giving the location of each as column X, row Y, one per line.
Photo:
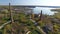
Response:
column 31, row 2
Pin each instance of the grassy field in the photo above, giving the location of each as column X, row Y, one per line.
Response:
column 22, row 23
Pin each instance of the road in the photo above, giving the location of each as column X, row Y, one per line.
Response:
column 28, row 32
column 4, row 24
column 35, row 23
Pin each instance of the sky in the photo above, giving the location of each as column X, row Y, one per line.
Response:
column 34, row 2
column 31, row 2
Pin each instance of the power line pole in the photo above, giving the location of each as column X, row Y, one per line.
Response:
column 41, row 15
column 11, row 17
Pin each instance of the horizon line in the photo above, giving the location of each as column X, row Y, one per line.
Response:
column 34, row 6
